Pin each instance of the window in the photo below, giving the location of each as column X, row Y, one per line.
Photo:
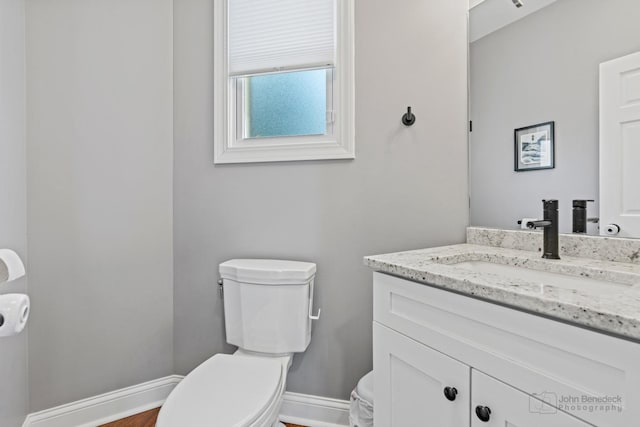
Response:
column 283, row 80
column 286, row 104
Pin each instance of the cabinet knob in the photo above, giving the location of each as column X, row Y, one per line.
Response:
column 483, row 413
column 450, row 393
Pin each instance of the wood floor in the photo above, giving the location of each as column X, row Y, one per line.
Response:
column 147, row 419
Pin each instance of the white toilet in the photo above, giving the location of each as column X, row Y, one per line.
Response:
column 268, row 313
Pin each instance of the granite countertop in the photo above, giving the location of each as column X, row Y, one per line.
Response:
column 612, row 308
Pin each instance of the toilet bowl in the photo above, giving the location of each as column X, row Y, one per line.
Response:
column 361, row 403
column 237, row 390
column 268, row 306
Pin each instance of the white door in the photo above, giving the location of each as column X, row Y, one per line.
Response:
column 495, row 404
column 410, row 381
column 620, row 146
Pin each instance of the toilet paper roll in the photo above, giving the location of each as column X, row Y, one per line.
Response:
column 11, row 266
column 14, row 313
column 612, row 229
column 524, row 221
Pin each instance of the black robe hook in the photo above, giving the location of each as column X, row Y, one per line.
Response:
column 409, row 118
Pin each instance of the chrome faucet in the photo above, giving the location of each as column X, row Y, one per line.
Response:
column 550, row 226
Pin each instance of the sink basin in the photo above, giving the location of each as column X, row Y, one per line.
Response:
column 543, row 278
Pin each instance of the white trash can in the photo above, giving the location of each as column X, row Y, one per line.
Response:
column 361, row 409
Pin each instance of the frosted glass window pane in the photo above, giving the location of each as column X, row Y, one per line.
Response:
column 286, row 104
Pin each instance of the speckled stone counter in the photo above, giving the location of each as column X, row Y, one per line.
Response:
column 575, row 245
column 615, row 311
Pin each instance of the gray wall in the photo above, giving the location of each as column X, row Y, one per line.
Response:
column 13, row 215
column 99, row 150
column 543, row 68
column 407, row 187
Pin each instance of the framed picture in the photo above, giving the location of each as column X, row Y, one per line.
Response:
column 535, row 147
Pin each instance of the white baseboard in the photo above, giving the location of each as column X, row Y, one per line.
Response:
column 106, row 407
column 314, row 411
column 302, row 409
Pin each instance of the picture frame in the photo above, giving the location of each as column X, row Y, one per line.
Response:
column 534, row 147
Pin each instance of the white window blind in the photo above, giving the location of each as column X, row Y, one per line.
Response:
column 268, row 35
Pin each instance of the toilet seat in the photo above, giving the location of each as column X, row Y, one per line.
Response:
column 227, row 391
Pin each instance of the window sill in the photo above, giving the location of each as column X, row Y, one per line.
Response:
column 284, row 153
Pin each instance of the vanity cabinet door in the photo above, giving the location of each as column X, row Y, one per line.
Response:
column 493, row 404
column 415, row 385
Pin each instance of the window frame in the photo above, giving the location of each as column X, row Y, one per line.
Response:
column 230, row 147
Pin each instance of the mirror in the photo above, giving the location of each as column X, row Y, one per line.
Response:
column 529, row 66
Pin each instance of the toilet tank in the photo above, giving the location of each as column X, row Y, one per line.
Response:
column 267, row 304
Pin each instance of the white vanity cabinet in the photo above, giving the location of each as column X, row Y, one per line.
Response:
column 502, row 406
column 410, row 379
column 528, row 371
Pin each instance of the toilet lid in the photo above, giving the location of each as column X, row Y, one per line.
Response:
column 224, row 391
column 268, row 271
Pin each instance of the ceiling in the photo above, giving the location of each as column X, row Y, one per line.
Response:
column 487, row 16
